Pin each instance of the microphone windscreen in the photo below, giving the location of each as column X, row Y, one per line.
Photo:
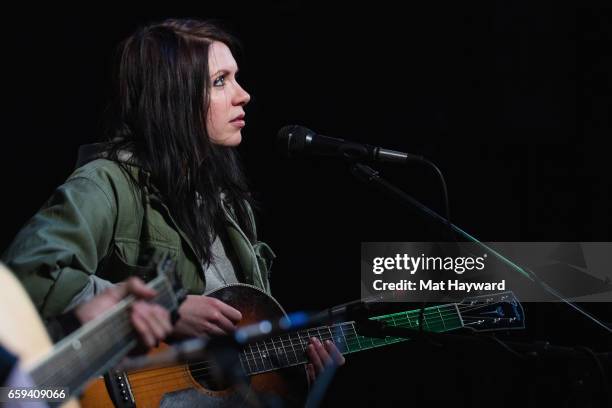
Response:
column 292, row 139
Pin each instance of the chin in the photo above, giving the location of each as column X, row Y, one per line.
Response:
column 234, row 140
column 231, row 140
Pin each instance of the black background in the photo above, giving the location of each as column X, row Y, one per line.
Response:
column 510, row 99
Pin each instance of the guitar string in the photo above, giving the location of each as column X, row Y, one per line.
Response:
column 289, row 342
column 45, row 376
column 252, row 357
column 401, row 317
column 139, row 383
column 350, row 343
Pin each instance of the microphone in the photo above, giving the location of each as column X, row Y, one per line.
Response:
column 294, row 140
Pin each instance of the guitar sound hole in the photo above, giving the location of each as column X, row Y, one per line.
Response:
column 210, row 376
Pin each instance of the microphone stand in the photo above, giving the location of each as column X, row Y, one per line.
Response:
column 370, row 176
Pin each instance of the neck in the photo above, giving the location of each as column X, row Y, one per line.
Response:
column 97, row 345
column 289, row 349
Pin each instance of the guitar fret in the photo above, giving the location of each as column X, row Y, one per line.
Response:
column 356, row 335
column 331, row 337
column 265, row 356
column 242, row 358
column 275, row 355
column 442, row 318
column 320, row 336
column 278, row 352
column 254, row 356
column 303, row 348
column 286, row 349
column 263, row 364
column 309, row 334
column 350, row 333
column 348, row 350
column 268, row 354
column 293, row 349
column 409, row 322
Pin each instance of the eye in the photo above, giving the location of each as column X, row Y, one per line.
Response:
column 219, row 81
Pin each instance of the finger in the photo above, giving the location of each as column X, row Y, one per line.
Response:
column 138, row 288
column 143, row 329
column 218, row 318
column 229, row 312
column 163, row 317
column 147, row 313
column 323, row 354
column 334, row 353
column 212, row 329
column 314, row 358
column 310, row 373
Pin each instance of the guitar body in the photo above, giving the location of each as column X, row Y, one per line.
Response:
column 185, row 385
column 23, row 333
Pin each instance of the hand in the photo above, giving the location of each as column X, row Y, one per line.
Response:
column 321, row 356
column 151, row 321
column 203, row 315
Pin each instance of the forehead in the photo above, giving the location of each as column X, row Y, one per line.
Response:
column 220, row 58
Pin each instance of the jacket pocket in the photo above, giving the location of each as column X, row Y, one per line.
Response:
column 128, row 259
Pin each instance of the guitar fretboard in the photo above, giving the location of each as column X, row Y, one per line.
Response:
column 289, row 349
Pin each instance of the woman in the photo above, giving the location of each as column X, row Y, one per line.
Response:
column 167, row 181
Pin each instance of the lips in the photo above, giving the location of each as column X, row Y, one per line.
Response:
column 238, row 118
column 238, row 121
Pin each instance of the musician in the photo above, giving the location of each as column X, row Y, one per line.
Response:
column 167, row 180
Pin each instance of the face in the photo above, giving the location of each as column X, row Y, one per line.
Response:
column 225, row 117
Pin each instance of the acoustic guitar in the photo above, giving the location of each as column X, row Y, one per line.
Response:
column 275, row 367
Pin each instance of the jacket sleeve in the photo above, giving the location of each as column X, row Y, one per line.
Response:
column 56, row 254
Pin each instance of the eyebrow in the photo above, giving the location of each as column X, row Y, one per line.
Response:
column 224, row 71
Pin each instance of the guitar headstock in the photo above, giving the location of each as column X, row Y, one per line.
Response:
column 166, row 281
column 166, row 269
column 500, row 311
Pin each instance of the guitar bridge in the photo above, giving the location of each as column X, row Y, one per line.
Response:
column 119, row 389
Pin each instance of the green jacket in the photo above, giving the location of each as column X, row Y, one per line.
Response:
column 97, row 224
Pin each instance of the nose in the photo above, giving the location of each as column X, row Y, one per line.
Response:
column 241, row 97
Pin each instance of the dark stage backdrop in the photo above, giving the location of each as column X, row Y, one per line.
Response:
column 510, row 99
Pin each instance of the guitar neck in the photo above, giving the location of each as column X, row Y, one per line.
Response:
column 96, row 346
column 289, row 349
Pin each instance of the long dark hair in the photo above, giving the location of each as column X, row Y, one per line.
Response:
column 162, row 99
